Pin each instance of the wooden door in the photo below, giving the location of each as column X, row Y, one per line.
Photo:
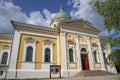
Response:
column 85, row 62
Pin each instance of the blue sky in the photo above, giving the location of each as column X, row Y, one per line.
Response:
column 41, row 12
column 38, row 5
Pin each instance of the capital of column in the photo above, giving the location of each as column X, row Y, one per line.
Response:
column 63, row 33
column 88, row 37
column 77, row 35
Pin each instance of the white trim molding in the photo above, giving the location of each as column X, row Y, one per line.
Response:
column 101, row 54
column 29, row 42
column 97, row 56
column 64, row 50
column 33, row 45
column 49, row 47
column 13, row 58
column 3, row 51
column 78, row 55
column 90, row 54
column 74, row 53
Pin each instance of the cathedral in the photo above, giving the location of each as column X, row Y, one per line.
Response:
column 62, row 50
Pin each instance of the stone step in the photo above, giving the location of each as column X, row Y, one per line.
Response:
column 87, row 73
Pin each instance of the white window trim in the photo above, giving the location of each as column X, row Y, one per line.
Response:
column 8, row 51
column 26, row 45
column 98, row 58
column 51, row 53
column 74, row 60
column 84, row 52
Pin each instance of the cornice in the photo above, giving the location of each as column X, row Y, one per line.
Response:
column 80, row 30
column 33, row 28
column 6, row 36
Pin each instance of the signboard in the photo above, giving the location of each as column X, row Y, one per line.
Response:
column 55, row 69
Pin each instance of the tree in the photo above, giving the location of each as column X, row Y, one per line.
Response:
column 110, row 10
column 114, row 59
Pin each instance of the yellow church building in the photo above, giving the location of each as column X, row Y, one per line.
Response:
column 73, row 45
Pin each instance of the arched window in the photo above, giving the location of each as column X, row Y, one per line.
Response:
column 83, row 50
column 95, row 56
column 47, row 55
column 104, row 56
column 4, row 58
column 71, row 55
column 29, row 54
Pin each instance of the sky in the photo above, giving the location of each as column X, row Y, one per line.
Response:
column 41, row 12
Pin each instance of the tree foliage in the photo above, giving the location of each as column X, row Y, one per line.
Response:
column 114, row 59
column 114, row 42
column 110, row 10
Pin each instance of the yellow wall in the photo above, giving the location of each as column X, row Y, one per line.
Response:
column 75, row 66
column 71, row 37
column 4, row 43
column 83, row 39
column 97, row 66
column 94, row 40
column 83, row 46
column 39, row 49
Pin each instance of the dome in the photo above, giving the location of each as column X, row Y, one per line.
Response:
column 59, row 17
column 62, row 14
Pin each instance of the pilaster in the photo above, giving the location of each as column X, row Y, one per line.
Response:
column 91, row 64
column 64, row 50
column 101, row 55
column 78, row 53
column 14, row 54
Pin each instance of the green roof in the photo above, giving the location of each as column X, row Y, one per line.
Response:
column 61, row 14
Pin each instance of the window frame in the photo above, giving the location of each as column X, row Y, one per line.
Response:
column 49, row 54
column 97, row 57
column 2, row 57
column 3, row 49
column 73, row 55
column 51, row 50
column 27, row 44
column 27, row 53
column 8, row 51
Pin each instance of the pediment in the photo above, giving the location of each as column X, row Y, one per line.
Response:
column 80, row 25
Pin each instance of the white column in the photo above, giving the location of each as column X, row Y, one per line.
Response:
column 101, row 55
column 64, row 50
column 52, row 52
column 78, row 53
column 58, row 49
column 91, row 64
column 14, row 54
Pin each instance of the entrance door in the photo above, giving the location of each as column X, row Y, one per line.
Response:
column 85, row 62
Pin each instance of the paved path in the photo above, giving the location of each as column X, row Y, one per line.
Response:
column 110, row 77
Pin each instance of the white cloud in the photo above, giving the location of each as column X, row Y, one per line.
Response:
column 9, row 11
column 37, row 18
column 82, row 9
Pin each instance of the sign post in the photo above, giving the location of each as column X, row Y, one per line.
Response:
column 55, row 69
